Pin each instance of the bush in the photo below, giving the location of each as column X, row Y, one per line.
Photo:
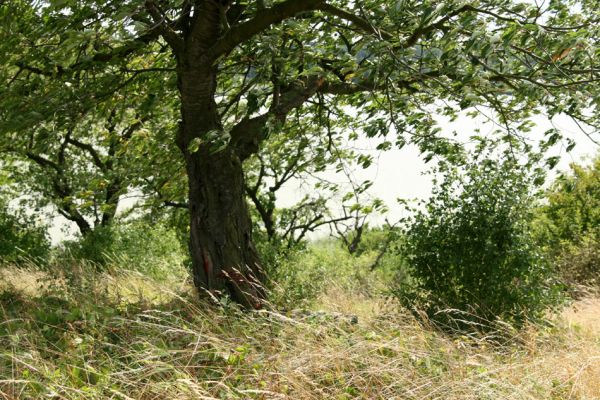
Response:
column 306, row 274
column 384, row 245
column 94, row 247
column 151, row 249
column 568, row 225
column 471, row 249
column 573, row 208
column 22, row 238
column 579, row 264
column 274, row 252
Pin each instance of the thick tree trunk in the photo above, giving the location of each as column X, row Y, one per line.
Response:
column 223, row 255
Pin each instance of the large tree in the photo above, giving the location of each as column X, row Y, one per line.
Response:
column 241, row 67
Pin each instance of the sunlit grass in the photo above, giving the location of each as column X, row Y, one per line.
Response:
column 125, row 336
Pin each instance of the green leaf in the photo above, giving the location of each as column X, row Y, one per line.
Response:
column 59, row 4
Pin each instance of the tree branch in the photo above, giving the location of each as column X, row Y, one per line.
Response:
column 90, row 150
column 264, row 19
column 105, row 57
column 266, row 213
column 249, row 133
column 412, row 40
column 175, row 204
column 163, row 26
column 361, row 23
column 43, row 162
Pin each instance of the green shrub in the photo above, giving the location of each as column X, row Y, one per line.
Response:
column 154, row 250
column 384, row 245
column 573, row 208
column 94, row 247
column 568, row 225
column 471, row 250
column 579, row 264
column 274, row 252
column 21, row 238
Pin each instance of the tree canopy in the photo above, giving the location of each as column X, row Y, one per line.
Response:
column 240, row 72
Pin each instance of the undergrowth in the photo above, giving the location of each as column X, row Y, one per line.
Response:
column 124, row 335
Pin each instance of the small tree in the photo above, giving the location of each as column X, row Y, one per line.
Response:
column 470, row 250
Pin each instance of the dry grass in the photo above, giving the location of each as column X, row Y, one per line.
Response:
column 128, row 337
column 584, row 315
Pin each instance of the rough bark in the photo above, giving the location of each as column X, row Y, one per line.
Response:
column 224, row 259
column 223, row 254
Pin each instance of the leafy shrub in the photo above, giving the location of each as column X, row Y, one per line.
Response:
column 151, row 249
column 471, row 248
column 94, row 247
column 573, row 208
column 21, row 238
column 569, row 225
column 384, row 245
column 579, row 264
column 274, row 252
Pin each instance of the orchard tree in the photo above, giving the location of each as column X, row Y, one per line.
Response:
column 241, row 68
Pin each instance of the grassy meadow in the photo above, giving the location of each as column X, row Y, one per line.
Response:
column 122, row 334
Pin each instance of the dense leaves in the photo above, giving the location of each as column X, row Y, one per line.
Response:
column 573, row 208
column 152, row 249
column 471, row 252
column 569, row 224
column 22, row 238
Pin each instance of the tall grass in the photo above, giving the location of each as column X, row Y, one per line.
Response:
column 124, row 335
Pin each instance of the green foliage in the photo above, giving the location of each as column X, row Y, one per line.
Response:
column 471, row 250
column 569, row 224
column 306, row 274
column 22, row 238
column 579, row 263
column 573, row 208
column 374, row 240
column 274, row 251
column 82, row 165
column 154, row 250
